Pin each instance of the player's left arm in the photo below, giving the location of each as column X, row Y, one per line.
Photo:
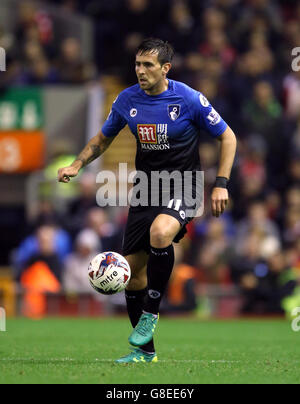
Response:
column 219, row 196
column 207, row 118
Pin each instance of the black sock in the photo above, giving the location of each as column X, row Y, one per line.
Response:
column 135, row 300
column 159, row 269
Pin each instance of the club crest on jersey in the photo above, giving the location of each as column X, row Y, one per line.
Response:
column 174, row 111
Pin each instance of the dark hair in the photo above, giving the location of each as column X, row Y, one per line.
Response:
column 164, row 49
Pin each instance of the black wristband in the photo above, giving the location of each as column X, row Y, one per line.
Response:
column 221, row 182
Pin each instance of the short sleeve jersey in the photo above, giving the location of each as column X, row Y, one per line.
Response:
column 166, row 126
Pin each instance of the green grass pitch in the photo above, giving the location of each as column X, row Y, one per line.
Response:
column 190, row 351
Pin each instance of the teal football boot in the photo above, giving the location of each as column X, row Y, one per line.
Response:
column 137, row 355
column 143, row 332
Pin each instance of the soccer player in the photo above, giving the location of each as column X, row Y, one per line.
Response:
column 165, row 116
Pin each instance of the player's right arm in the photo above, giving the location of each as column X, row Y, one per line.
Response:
column 95, row 147
column 114, row 123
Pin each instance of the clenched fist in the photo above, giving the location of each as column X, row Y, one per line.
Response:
column 66, row 173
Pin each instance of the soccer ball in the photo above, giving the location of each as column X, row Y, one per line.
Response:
column 109, row 273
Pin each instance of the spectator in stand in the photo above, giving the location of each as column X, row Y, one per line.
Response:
column 273, row 205
column 183, row 33
column 246, row 257
column 247, row 72
column 262, row 113
column 214, row 253
column 209, row 156
column 181, row 29
column 291, row 231
column 295, row 140
column 217, row 45
column 138, row 21
column 259, row 15
column 81, row 205
column 32, row 247
column 213, row 69
column 265, row 288
column 256, row 221
column 32, row 50
column 214, row 19
column 293, row 173
column 34, row 24
column 139, row 16
column 109, row 235
column 181, row 296
column 292, row 197
column 291, row 88
column 70, row 64
column 40, row 72
column 47, row 251
column 189, row 68
column 41, row 274
column 44, row 214
column 75, row 278
column 296, row 261
column 251, row 175
column 263, row 117
column 26, row 19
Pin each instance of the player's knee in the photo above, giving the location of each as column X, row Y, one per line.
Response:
column 160, row 236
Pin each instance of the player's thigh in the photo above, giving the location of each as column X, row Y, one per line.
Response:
column 138, row 265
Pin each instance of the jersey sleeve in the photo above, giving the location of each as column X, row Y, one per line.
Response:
column 115, row 122
column 205, row 116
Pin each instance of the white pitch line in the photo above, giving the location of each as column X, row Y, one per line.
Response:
column 113, row 360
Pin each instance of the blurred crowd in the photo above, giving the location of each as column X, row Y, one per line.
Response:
column 239, row 54
column 39, row 53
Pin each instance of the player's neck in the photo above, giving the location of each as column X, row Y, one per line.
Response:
column 159, row 88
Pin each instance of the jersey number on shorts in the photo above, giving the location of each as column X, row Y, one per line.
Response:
column 174, row 204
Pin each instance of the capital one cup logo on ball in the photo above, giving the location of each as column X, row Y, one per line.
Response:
column 109, row 273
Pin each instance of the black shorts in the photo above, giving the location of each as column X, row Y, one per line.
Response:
column 140, row 219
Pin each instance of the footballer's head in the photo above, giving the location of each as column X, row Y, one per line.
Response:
column 153, row 62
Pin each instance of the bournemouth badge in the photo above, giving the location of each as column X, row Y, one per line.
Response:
column 174, row 111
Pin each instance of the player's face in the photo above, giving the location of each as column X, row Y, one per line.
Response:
column 150, row 73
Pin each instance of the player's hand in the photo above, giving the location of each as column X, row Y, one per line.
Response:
column 66, row 173
column 219, row 200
